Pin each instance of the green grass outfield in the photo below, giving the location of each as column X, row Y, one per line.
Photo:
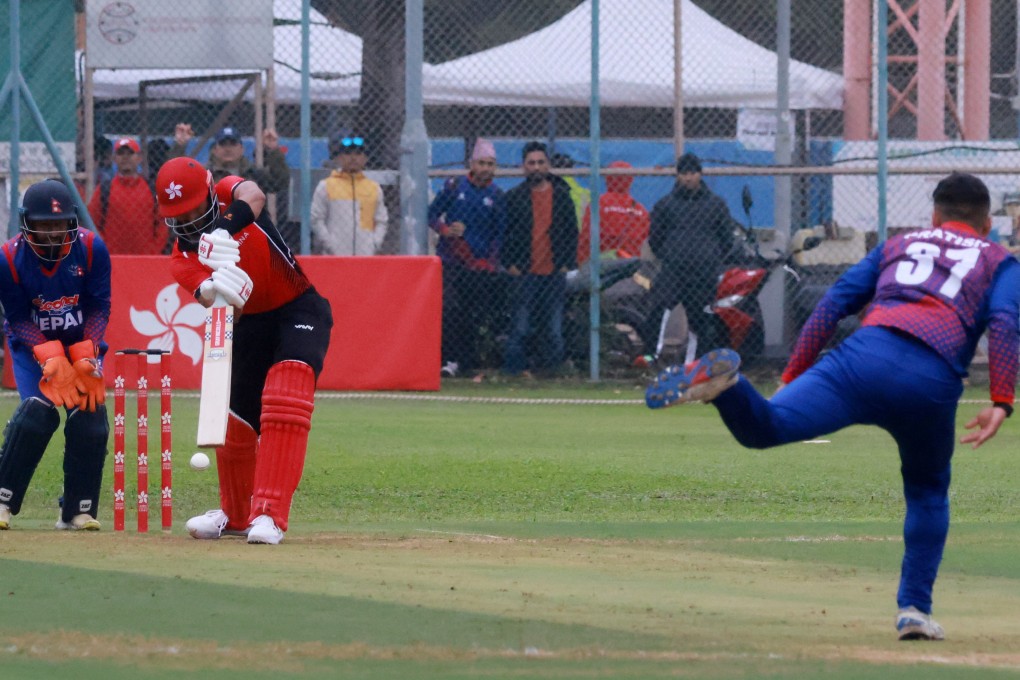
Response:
column 493, row 538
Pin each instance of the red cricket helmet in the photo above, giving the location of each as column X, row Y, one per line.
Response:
column 182, row 185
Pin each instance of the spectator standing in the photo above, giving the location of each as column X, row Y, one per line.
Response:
column 55, row 291
column 691, row 234
column 226, row 157
column 469, row 214
column 123, row 208
column 578, row 194
column 105, row 169
column 280, row 343
column 623, row 221
column 349, row 214
column 157, row 152
column 928, row 296
column 539, row 248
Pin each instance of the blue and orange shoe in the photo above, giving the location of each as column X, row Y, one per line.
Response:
column 701, row 380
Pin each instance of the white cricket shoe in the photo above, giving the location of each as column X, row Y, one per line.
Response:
column 212, row 524
column 5, row 517
column 913, row 624
column 264, row 530
column 81, row 522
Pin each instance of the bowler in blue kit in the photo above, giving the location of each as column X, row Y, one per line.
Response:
column 55, row 291
column 928, row 296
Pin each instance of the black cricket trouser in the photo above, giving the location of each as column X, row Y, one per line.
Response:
column 695, row 292
column 472, row 301
column 297, row 331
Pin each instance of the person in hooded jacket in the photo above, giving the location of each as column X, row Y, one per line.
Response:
column 623, row 221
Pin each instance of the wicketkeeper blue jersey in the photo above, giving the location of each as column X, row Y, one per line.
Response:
column 67, row 301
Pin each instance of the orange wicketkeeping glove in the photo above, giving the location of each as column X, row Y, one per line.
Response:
column 60, row 383
column 84, row 359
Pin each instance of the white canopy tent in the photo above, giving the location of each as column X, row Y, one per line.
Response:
column 550, row 67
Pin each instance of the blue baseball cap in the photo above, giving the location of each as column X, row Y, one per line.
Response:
column 227, row 133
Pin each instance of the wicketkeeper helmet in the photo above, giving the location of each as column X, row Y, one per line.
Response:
column 48, row 201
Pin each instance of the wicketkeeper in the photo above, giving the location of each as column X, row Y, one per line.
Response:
column 55, row 290
column 280, row 343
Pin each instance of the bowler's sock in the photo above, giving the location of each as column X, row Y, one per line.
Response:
column 924, row 538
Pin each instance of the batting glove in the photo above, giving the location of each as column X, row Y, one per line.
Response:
column 218, row 249
column 234, row 284
column 84, row 359
column 60, row 383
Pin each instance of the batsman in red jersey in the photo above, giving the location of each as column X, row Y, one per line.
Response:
column 280, row 343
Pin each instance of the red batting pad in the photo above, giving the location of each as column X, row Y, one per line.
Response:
column 287, row 403
column 235, row 463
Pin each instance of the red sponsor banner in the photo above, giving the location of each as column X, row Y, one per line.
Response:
column 387, row 314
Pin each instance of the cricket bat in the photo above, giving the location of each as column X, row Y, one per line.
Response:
column 214, row 401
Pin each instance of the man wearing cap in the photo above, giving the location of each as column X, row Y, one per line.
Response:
column 123, row 208
column 469, row 215
column 226, row 157
column 691, row 234
column 349, row 214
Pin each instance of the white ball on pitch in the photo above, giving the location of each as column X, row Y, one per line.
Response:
column 199, row 461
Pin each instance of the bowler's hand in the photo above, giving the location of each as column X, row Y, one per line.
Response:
column 988, row 420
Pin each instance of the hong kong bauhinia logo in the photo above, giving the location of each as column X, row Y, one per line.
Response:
column 172, row 326
column 173, row 190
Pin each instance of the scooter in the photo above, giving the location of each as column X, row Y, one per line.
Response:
column 735, row 303
column 736, row 298
column 577, row 311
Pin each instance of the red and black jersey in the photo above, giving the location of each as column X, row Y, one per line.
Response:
column 276, row 276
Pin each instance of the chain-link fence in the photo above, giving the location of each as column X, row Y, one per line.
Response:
column 801, row 193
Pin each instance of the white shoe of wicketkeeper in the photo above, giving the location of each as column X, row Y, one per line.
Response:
column 82, row 522
column 212, row 524
column 5, row 517
column 264, row 530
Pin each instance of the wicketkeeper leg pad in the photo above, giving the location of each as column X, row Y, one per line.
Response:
column 25, row 438
column 235, row 464
column 85, row 440
column 287, row 403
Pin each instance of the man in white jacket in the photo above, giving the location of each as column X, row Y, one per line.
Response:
column 348, row 211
